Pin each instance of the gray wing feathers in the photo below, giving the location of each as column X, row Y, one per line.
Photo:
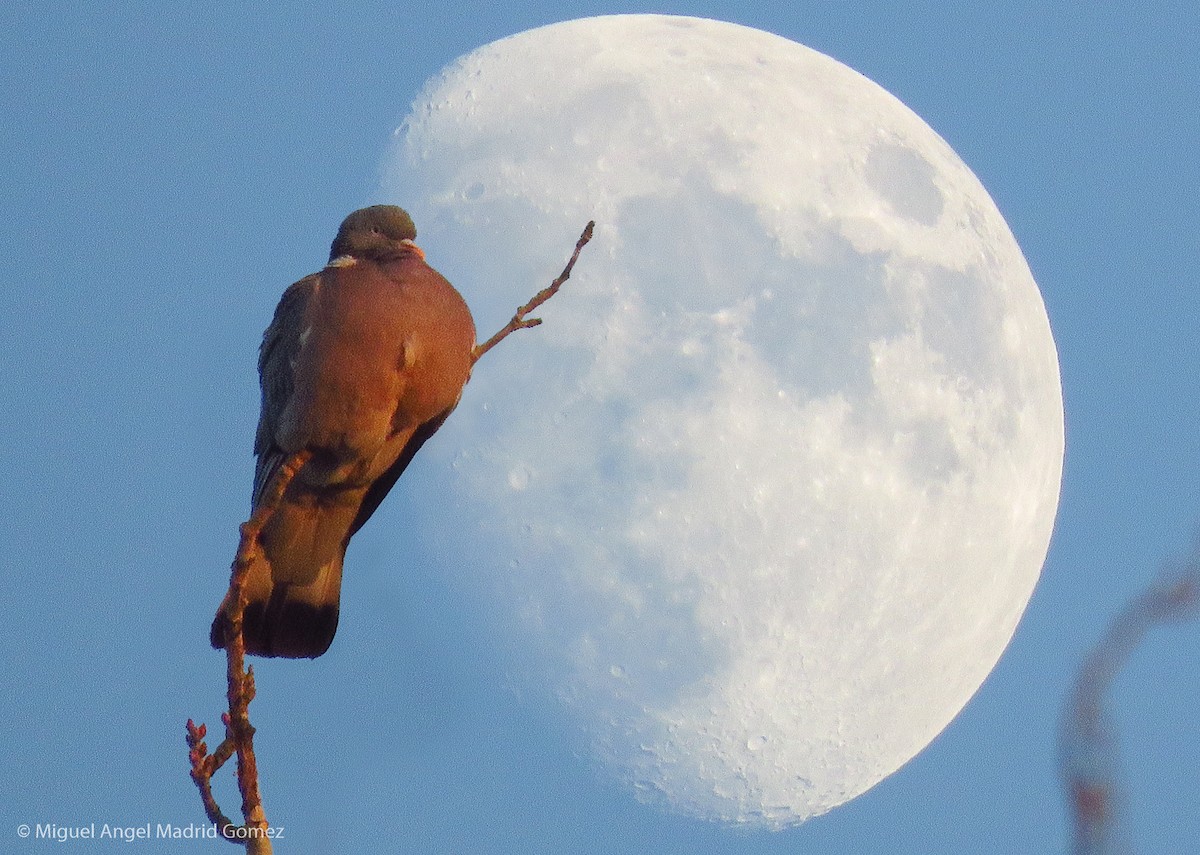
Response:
column 276, row 355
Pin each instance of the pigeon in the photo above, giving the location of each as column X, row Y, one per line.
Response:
column 361, row 364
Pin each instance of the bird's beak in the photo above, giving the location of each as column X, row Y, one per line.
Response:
column 420, row 252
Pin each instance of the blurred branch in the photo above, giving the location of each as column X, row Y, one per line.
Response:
column 239, row 733
column 1088, row 743
column 519, row 321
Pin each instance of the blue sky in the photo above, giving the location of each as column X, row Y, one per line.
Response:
column 167, row 174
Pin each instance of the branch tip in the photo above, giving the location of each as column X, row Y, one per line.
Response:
column 519, row 320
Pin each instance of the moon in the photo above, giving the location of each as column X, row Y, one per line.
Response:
column 762, row 502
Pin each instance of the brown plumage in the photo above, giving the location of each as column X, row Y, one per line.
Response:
column 361, row 364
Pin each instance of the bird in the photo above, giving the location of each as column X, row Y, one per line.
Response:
column 360, row 365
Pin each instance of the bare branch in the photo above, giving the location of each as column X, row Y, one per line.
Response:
column 519, row 321
column 239, row 733
column 1088, row 742
column 203, row 767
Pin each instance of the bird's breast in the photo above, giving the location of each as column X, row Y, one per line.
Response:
column 379, row 354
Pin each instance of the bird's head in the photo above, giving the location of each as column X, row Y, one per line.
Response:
column 379, row 232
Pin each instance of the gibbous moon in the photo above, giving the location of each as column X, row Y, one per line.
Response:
column 763, row 500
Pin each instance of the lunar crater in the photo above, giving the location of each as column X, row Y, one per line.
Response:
column 905, row 181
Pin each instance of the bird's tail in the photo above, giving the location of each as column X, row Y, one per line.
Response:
column 289, row 620
column 293, row 586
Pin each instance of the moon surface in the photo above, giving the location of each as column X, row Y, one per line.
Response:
column 763, row 500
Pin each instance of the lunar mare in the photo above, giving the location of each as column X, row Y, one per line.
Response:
column 767, row 494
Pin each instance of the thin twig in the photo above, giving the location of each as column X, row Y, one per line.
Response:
column 239, row 733
column 519, row 321
column 203, row 767
column 1088, row 740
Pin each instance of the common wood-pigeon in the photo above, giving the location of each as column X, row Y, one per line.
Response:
column 361, row 364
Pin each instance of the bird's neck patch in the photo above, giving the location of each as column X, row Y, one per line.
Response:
column 342, row 261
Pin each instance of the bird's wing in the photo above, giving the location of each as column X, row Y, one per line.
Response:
column 384, row 483
column 276, row 356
